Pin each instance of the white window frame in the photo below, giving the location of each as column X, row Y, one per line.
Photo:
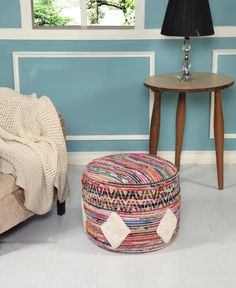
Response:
column 26, row 32
column 27, row 22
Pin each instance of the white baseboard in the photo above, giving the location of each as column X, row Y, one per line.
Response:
column 187, row 157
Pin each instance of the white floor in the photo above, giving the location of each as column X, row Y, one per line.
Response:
column 53, row 252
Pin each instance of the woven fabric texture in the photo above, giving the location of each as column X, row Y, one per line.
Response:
column 32, row 148
column 129, row 169
column 142, row 190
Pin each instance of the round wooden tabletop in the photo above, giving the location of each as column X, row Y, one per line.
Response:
column 201, row 82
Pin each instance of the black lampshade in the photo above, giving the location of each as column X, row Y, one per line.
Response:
column 188, row 18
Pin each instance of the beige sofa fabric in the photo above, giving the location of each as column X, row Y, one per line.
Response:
column 7, row 185
column 12, row 210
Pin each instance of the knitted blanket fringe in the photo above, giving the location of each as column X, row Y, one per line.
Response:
column 32, row 148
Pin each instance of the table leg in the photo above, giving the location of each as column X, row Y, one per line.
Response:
column 180, row 122
column 219, row 138
column 155, row 124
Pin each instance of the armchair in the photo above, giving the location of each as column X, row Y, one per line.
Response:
column 12, row 210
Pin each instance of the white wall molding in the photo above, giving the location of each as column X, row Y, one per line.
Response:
column 187, row 157
column 28, row 33
column 107, row 137
column 215, row 56
column 225, row 31
column 142, row 54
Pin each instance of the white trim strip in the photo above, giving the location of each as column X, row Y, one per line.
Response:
column 26, row 15
column 99, row 34
column 139, row 14
column 225, row 31
column 187, row 157
column 215, row 56
column 107, row 137
column 117, row 54
column 83, row 7
column 230, row 136
column 16, row 72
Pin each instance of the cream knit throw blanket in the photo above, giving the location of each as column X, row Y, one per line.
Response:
column 32, row 148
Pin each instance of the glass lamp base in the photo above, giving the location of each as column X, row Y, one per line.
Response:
column 185, row 77
column 186, row 65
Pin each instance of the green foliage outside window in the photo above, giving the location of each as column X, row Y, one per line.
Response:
column 126, row 6
column 47, row 14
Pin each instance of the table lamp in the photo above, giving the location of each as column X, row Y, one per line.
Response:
column 187, row 18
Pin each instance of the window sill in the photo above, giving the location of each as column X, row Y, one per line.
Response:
column 98, row 34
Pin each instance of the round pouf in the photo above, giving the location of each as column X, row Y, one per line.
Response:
column 131, row 202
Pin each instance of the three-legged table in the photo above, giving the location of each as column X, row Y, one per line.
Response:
column 201, row 82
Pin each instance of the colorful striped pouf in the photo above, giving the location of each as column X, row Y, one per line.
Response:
column 131, row 202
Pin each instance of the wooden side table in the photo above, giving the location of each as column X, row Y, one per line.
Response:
column 201, row 82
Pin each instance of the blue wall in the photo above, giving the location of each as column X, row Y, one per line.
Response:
column 10, row 14
column 104, row 94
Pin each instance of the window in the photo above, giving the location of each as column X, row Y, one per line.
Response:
column 83, row 13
